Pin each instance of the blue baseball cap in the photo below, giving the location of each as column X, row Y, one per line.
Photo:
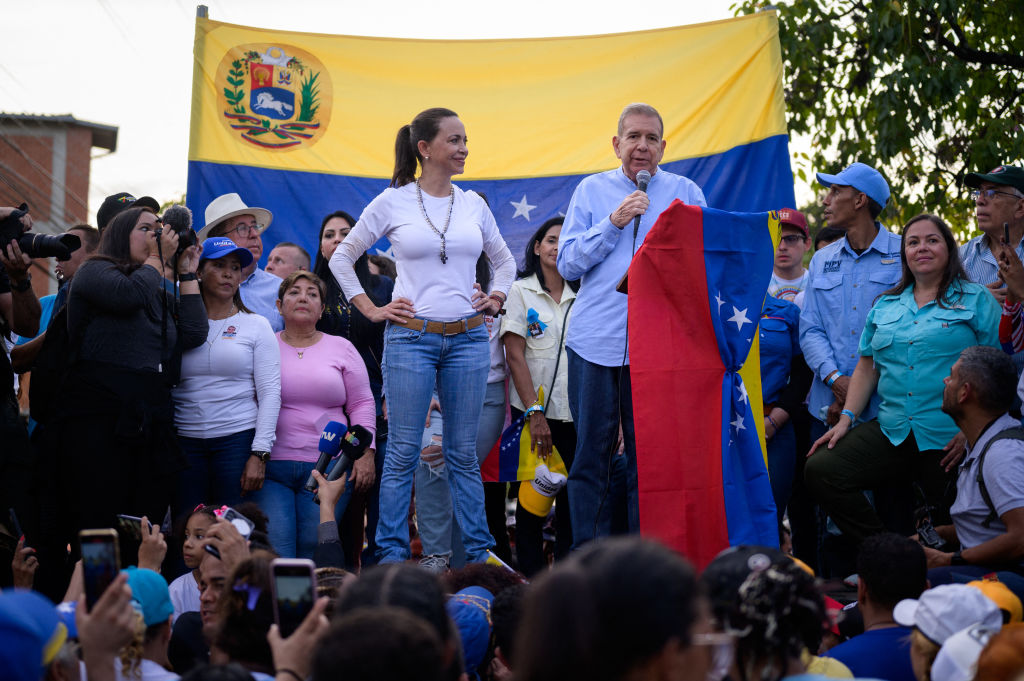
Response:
column 470, row 609
column 150, row 595
column 861, row 177
column 31, row 634
column 219, row 246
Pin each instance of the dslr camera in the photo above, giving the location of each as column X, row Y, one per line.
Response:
column 58, row 246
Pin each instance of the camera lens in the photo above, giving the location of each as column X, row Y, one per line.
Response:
column 58, row 246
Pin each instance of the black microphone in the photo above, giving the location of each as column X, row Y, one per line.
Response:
column 353, row 447
column 643, row 178
column 330, row 445
column 179, row 219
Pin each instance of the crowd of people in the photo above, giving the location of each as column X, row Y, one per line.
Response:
column 173, row 381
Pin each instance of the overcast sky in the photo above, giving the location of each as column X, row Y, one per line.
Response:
column 129, row 62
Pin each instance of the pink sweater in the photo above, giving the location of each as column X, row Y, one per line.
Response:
column 329, row 382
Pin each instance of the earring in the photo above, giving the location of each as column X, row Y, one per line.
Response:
column 426, row 158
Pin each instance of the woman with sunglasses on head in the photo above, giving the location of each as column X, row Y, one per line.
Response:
column 230, row 392
column 436, row 333
column 118, row 452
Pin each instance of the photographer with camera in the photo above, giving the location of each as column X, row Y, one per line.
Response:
column 116, row 445
column 988, row 515
column 19, row 312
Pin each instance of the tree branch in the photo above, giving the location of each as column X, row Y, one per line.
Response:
column 964, row 51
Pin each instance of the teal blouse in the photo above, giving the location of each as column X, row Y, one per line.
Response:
column 914, row 349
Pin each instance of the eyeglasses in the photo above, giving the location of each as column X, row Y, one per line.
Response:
column 792, row 239
column 245, row 230
column 989, row 193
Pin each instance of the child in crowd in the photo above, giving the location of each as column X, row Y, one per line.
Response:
column 185, row 589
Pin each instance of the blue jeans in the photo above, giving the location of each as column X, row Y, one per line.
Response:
column 598, row 401
column 214, row 475
column 438, row 531
column 414, row 362
column 782, row 466
column 294, row 516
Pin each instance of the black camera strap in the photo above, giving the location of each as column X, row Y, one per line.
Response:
column 1015, row 433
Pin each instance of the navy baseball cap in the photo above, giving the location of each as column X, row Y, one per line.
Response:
column 220, row 246
column 861, row 177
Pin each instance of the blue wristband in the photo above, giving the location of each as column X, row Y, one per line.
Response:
column 853, row 417
column 833, row 379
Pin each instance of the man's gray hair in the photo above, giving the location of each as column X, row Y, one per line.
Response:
column 992, row 376
column 639, row 108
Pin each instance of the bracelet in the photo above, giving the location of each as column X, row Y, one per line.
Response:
column 290, row 672
column 772, row 421
column 853, row 417
column 534, row 408
column 833, row 378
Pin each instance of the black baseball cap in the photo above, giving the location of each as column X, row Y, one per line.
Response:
column 1010, row 176
column 115, row 203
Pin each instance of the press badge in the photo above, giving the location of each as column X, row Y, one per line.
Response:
column 831, row 266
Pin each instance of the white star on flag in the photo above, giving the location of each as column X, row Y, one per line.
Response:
column 522, row 208
column 740, row 317
column 743, row 393
column 738, row 423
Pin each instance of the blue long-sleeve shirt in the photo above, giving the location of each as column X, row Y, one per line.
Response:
column 598, row 253
column 840, row 291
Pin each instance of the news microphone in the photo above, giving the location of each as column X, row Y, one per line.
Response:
column 643, row 178
column 353, row 446
column 329, row 445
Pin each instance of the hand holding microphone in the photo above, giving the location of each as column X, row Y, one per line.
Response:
column 353, row 446
column 329, row 445
column 634, row 205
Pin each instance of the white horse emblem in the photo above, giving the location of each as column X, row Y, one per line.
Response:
column 265, row 100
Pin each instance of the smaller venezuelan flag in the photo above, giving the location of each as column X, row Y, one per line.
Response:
column 512, row 459
column 697, row 286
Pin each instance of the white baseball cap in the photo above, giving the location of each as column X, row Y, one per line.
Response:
column 958, row 657
column 944, row 610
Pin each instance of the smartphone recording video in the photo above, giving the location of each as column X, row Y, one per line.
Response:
column 294, row 586
column 101, row 561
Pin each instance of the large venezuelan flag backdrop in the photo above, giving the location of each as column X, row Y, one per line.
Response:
column 304, row 124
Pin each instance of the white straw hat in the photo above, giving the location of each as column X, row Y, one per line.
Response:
column 228, row 206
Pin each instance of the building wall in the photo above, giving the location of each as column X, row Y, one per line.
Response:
column 46, row 166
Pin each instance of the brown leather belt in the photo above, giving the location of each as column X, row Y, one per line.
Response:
column 443, row 328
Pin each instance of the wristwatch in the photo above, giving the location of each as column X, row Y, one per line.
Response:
column 188, row 276
column 22, row 285
column 261, row 455
column 958, row 559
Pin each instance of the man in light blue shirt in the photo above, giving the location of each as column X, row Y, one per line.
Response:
column 227, row 215
column 845, row 279
column 596, row 246
column 998, row 199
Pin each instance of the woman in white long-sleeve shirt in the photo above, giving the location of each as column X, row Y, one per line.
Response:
column 227, row 402
column 435, row 330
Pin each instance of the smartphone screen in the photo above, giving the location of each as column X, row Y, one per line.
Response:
column 100, row 562
column 131, row 526
column 294, row 588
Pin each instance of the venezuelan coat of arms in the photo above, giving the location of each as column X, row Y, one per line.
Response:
column 277, row 97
